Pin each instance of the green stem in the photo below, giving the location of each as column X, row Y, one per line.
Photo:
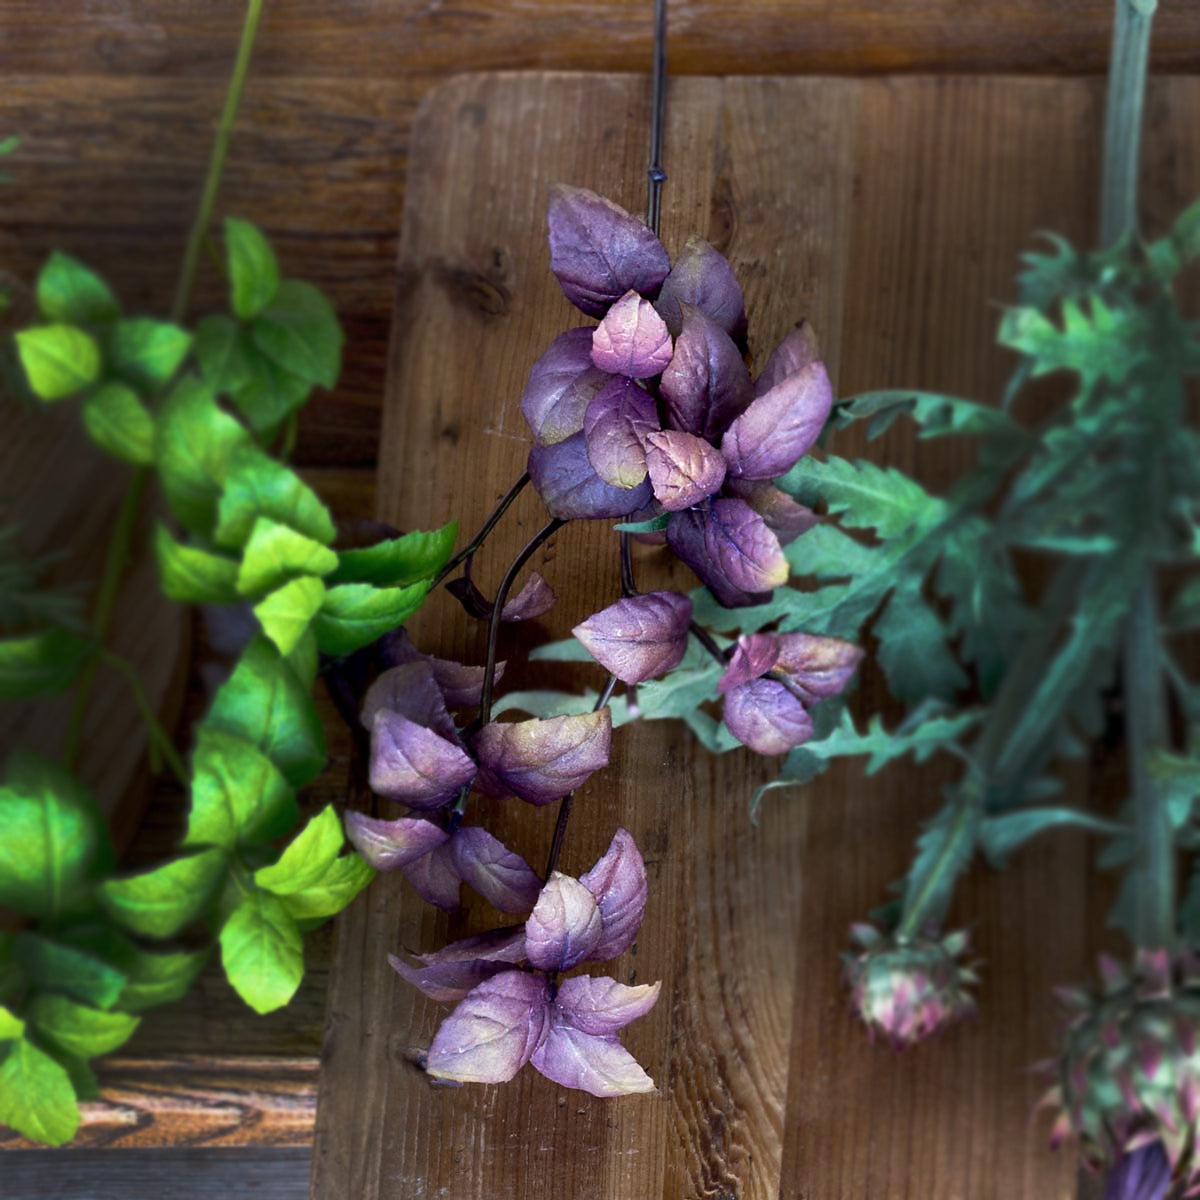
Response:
column 216, row 164
column 158, row 735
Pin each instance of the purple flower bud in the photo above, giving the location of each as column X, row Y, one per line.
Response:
column 541, row 761
column 786, row 519
column 703, row 277
column 618, row 881
column 599, row 1065
column 493, row 1032
column 793, row 354
column 820, row 666
column 387, row 845
column 615, row 427
column 434, row 878
column 561, row 383
column 780, row 426
column 729, row 542
column 410, row 690
column 534, row 599
column 501, row 876
column 638, row 637
column 706, row 384
column 413, row 764
column 631, row 340
column 564, row 927
column 753, row 656
column 598, row 252
column 570, row 488
column 765, row 716
column 602, row 1006
column 684, row 469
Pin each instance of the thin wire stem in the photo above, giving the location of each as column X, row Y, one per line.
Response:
column 159, row 737
column 469, row 550
column 656, row 176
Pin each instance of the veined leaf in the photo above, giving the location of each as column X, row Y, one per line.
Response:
column 262, row 952
column 117, row 421
column 253, row 269
column 286, row 614
column 299, row 331
column 147, row 352
column 306, row 860
column 275, row 554
column 78, row 1028
column 59, row 360
column 399, row 561
column 11, row 1026
column 189, row 575
column 355, row 614
column 56, row 967
column 156, row 979
column 222, row 353
column 343, row 879
column 258, row 486
column 158, row 903
column 68, row 292
column 36, row 1096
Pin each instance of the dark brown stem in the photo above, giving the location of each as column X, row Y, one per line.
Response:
column 468, row 551
column 655, row 174
column 706, row 640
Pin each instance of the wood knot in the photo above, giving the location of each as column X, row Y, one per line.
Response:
column 485, row 292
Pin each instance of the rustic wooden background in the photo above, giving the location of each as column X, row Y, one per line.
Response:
column 117, row 105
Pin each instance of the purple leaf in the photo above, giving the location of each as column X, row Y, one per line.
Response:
column 501, row 876
column 598, row 252
column 618, row 881
column 821, row 666
column 684, row 469
column 411, row 691
column 460, row 685
column 706, row 384
column 780, row 426
column 413, row 764
column 448, row 982
column 686, row 535
column 765, row 716
column 702, row 276
column 564, row 927
column 638, row 637
column 602, row 1006
column 534, row 599
column 615, row 428
column 631, row 340
column 793, row 354
column 491, row 1035
column 434, row 877
column 561, row 384
column 570, row 488
column 731, row 543
column 387, row 845
column 599, row 1065
column 786, row 519
column 540, row 761
column 753, row 656
column 505, row 945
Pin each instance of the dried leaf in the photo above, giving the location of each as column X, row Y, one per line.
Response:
column 684, row 469
column 638, row 637
column 564, row 927
column 631, row 340
column 541, row 761
column 765, row 716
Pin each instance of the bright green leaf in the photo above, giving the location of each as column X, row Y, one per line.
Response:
column 355, row 614
column 653, row 525
column 55, row 967
column 59, row 360
column 287, row 612
column 253, row 269
column 147, row 352
column 189, row 575
column 68, row 292
column 117, row 421
column 307, row 858
column 305, row 658
column 274, row 554
column 156, row 979
column 42, row 664
column 262, row 952
column 398, row 561
column 268, row 394
column 343, row 879
column 79, row 1029
column 299, row 331
column 158, row 903
column 11, row 1026
column 221, row 350
column 258, row 486
column 36, row 1096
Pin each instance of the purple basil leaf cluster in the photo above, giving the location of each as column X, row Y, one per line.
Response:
column 773, row 678
column 654, row 411
column 506, row 1015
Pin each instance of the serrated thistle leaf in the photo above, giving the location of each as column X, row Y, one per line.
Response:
column 389, row 845
column 600, row 1066
column 602, row 1006
column 535, row 598
column 765, row 716
column 615, row 426
column 565, row 925
column 701, row 276
column 561, row 385
column 753, row 656
column 684, row 469
column 541, row 761
column 414, row 765
column 493, row 1032
column 598, row 252
column 618, row 882
column 944, row 850
column 780, row 426
column 631, row 339
column 796, row 351
column 571, row 489
column 1000, row 835
column 500, row 875
column 730, row 548
column 820, row 667
column 706, row 384
column 638, row 637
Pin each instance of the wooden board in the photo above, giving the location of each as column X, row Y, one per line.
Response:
column 890, row 212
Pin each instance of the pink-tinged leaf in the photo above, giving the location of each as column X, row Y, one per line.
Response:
column 410, row 690
column 387, row 845
column 765, row 716
column 561, row 384
column 564, row 927
column 460, row 685
column 598, row 252
column 615, row 428
column 491, row 1035
column 702, row 276
column 632, row 340
column 618, row 881
column 735, row 544
column 820, row 666
column 541, row 761
column 414, row 765
column 601, row 1005
column 599, row 1065
column 501, row 876
column 434, row 877
column 753, row 656
column 706, row 384
column 638, row 637
column 534, row 599
column 793, row 354
column 448, row 982
column 505, row 945
column 570, row 488
column 687, row 535
column 780, row 427
column 684, row 469
column 786, row 519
